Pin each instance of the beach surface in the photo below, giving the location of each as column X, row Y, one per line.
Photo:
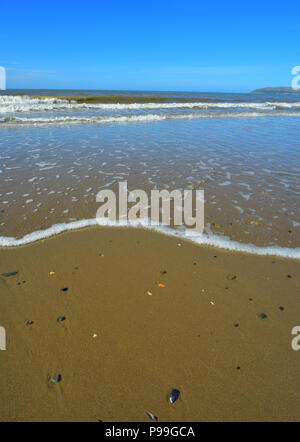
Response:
column 141, row 314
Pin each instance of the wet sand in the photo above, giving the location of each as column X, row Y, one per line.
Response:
column 126, row 341
column 52, row 175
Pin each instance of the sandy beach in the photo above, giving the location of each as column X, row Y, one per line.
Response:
column 149, row 215
column 141, row 314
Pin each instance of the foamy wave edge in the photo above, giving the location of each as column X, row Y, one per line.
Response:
column 202, row 239
column 11, row 103
column 65, row 120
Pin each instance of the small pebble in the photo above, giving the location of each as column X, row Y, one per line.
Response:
column 231, row 277
column 163, row 272
column 238, row 367
column 262, row 315
column 64, row 289
column 281, row 308
column 29, row 323
column 288, row 276
column 61, row 318
column 236, row 325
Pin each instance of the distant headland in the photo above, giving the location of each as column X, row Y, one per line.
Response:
column 275, row 90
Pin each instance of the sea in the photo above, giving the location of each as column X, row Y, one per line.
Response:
column 59, row 148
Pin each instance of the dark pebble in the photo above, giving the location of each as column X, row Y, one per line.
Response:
column 174, row 395
column 262, row 315
column 238, row 367
column 288, row 276
column 9, row 274
column 226, row 287
column 236, row 325
column 29, row 322
column 61, row 318
column 250, row 299
column 281, row 308
column 163, row 272
column 64, row 289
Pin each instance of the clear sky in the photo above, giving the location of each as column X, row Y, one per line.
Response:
column 187, row 45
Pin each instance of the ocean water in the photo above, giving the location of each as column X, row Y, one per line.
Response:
column 242, row 149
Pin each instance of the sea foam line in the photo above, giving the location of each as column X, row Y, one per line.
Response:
column 67, row 120
column 187, row 234
column 10, row 104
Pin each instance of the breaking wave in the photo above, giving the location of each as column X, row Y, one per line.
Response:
column 14, row 103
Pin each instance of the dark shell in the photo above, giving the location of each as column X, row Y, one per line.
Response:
column 151, row 416
column 56, row 378
column 174, row 395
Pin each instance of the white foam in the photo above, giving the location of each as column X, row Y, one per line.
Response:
column 188, row 234
column 10, row 103
column 62, row 120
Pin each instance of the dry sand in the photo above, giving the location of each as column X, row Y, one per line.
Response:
column 120, row 351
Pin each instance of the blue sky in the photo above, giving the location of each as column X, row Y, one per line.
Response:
column 187, row 45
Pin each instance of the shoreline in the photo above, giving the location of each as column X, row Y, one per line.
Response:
column 211, row 240
column 126, row 341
